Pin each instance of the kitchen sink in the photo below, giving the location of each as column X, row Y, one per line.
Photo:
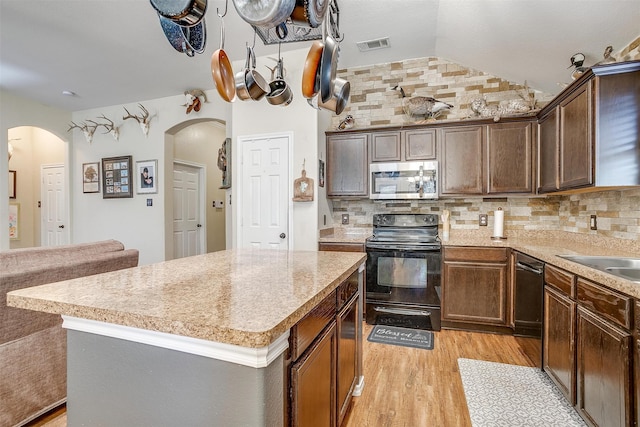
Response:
column 627, row 268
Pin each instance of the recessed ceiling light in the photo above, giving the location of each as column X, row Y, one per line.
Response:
column 68, row 93
column 380, row 43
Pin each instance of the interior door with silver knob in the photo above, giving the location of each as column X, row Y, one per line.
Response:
column 54, row 206
column 188, row 218
column 264, row 192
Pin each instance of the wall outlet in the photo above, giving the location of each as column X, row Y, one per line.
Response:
column 483, row 219
column 345, row 219
column 593, row 222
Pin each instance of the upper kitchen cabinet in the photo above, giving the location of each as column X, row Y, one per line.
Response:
column 403, row 145
column 589, row 135
column 461, row 162
column 510, row 158
column 494, row 159
column 347, row 165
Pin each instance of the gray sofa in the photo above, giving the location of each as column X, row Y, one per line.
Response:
column 33, row 344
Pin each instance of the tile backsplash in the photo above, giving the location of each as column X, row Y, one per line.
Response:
column 617, row 212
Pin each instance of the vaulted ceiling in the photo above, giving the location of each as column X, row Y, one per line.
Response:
column 112, row 52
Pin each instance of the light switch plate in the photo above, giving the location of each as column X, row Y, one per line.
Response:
column 345, row 219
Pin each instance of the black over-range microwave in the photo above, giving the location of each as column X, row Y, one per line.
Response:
column 404, row 180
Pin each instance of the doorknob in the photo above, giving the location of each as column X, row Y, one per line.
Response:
column 199, row 225
column 282, row 235
column 61, row 226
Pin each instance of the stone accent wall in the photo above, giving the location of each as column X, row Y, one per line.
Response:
column 629, row 53
column 373, row 102
column 618, row 212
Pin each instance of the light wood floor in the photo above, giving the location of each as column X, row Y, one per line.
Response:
column 408, row 387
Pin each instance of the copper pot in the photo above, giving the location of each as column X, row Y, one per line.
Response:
column 222, row 71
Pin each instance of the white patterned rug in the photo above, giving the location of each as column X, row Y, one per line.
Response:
column 508, row 395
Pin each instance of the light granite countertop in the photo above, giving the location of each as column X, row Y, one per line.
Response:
column 245, row 297
column 544, row 245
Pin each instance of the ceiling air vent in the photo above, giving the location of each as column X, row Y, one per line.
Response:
column 367, row 45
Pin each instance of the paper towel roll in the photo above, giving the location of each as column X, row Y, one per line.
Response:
column 498, row 223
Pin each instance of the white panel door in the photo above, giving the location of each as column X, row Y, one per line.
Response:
column 265, row 196
column 188, row 230
column 54, row 215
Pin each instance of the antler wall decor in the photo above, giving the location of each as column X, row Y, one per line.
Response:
column 193, row 101
column 143, row 119
column 88, row 130
column 110, row 127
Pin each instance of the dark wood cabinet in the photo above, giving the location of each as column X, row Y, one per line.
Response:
column 559, row 341
column 403, row 145
column 313, row 383
column 489, row 159
column 325, row 358
column 461, row 160
column 588, row 347
column 385, row 147
column 510, row 158
column 587, row 135
column 347, row 172
column 576, row 139
column 548, row 152
column 347, row 328
column 341, row 247
column 475, row 290
column 604, row 382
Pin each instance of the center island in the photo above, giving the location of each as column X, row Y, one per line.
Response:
column 244, row 337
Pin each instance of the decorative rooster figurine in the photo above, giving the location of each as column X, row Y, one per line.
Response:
column 422, row 106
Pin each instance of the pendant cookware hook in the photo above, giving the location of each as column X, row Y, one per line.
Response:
column 226, row 6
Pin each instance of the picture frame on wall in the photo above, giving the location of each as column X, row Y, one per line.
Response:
column 116, row 177
column 147, row 171
column 91, row 177
column 14, row 221
column 12, row 184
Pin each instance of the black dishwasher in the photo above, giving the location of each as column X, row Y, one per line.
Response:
column 529, row 295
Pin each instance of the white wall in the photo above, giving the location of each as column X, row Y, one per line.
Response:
column 259, row 118
column 14, row 112
column 130, row 220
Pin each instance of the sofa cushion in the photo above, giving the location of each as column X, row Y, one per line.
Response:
column 16, row 322
column 20, row 259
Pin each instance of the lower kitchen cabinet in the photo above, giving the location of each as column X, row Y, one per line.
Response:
column 588, row 348
column 341, row 247
column 604, row 382
column 559, row 342
column 324, row 357
column 347, row 327
column 475, row 291
column 313, row 383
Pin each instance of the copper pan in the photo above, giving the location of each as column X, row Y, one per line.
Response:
column 309, row 13
column 222, row 71
column 310, row 74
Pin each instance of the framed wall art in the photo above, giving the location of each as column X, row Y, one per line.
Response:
column 12, row 184
column 14, row 223
column 147, row 171
column 116, row 177
column 91, row 177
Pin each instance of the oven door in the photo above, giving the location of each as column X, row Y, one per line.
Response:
column 407, row 275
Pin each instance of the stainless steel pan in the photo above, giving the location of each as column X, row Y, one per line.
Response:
column 264, row 13
column 309, row 13
column 186, row 13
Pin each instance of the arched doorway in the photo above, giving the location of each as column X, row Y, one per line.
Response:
column 35, row 152
column 195, row 144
